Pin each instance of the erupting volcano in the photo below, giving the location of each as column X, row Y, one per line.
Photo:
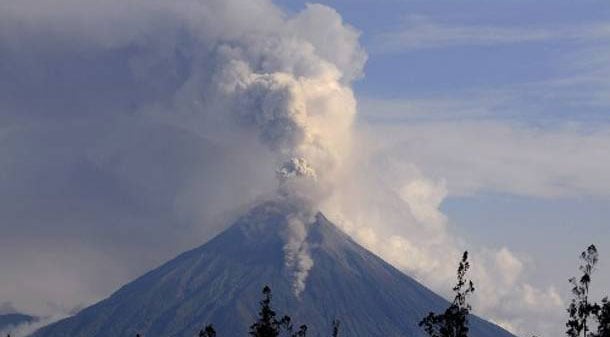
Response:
column 220, row 283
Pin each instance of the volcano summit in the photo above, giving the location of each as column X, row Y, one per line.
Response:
column 220, row 283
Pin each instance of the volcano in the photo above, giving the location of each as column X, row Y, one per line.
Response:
column 221, row 281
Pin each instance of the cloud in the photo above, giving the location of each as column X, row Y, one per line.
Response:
column 407, row 228
column 584, row 78
column 421, row 32
column 543, row 139
column 25, row 329
column 7, row 308
column 466, row 105
column 505, row 157
column 431, row 149
column 134, row 130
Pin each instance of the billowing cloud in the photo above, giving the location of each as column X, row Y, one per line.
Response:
column 144, row 125
column 406, row 227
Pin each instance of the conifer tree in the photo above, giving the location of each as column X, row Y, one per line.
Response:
column 208, row 331
column 267, row 324
column 454, row 321
column 580, row 308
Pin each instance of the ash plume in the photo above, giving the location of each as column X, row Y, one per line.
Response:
column 170, row 112
column 304, row 117
column 129, row 124
column 297, row 258
column 301, row 107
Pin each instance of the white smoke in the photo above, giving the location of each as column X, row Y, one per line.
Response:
column 296, row 253
column 304, row 116
column 296, row 167
column 190, row 108
column 300, row 105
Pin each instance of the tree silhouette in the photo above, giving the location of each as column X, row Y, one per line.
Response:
column 302, row 332
column 580, row 308
column 268, row 325
column 208, row 331
column 336, row 325
column 454, row 321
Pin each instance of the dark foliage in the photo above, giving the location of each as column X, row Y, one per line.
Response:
column 603, row 319
column 336, row 325
column 268, row 325
column 580, row 308
column 302, row 332
column 454, row 321
column 602, row 314
column 208, row 331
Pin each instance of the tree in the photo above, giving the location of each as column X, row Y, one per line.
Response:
column 603, row 319
column 268, row 325
column 302, row 331
column 580, row 308
column 336, row 324
column 454, row 321
column 208, row 331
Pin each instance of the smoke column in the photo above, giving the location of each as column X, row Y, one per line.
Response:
column 301, row 107
column 297, row 257
column 304, row 116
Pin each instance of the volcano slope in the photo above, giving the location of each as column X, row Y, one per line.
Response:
column 221, row 281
